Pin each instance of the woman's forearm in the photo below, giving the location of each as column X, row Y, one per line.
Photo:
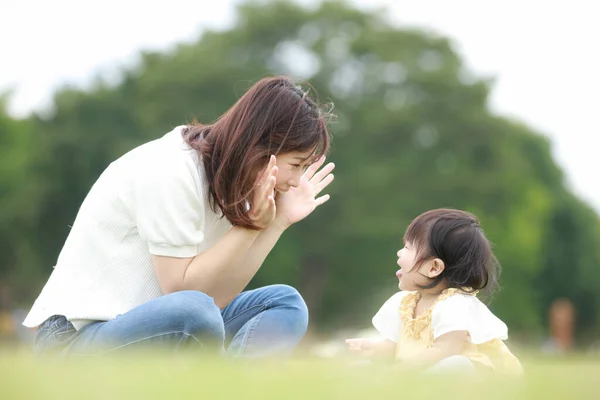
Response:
column 208, row 271
column 249, row 265
column 225, row 269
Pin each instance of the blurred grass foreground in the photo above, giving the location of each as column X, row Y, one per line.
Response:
column 156, row 376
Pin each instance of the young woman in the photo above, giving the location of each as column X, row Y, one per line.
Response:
column 172, row 232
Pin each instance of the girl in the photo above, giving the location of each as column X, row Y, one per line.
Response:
column 436, row 319
column 171, row 233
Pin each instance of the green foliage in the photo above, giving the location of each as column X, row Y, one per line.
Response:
column 20, row 198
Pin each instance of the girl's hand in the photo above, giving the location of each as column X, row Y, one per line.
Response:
column 298, row 202
column 369, row 348
column 361, row 347
column 262, row 209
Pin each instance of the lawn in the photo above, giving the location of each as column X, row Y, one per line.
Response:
column 158, row 376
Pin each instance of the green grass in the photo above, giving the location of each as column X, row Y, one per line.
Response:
column 164, row 377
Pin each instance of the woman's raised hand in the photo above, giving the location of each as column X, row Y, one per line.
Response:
column 262, row 208
column 298, row 202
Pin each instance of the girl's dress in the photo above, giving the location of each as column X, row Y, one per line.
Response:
column 454, row 310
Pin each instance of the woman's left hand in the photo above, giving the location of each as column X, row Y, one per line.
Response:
column 298, row 202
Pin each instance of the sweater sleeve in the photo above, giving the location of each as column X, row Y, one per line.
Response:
column 170, row 209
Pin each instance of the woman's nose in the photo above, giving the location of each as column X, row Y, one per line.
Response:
column 293, row 182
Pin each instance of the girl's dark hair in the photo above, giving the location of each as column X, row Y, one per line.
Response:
column 273, row 117
column 456, row 238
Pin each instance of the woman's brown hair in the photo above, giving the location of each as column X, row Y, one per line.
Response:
column 273, row 117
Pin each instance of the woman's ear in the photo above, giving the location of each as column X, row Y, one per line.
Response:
column 436, row 268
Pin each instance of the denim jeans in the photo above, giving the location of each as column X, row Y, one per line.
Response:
column 269, row 321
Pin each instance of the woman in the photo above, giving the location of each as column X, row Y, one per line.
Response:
column 171, row 233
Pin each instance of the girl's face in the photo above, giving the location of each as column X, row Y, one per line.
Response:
column 290, row 167
column 409, row 275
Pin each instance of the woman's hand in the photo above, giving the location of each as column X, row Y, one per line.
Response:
column 262, row 209
column 298, row 202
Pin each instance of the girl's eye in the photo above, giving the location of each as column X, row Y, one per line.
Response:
column 296, row 165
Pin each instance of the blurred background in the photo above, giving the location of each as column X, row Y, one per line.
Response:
column 478, row 105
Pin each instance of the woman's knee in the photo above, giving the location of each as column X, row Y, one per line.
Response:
column 196, row 314
column 291, row 300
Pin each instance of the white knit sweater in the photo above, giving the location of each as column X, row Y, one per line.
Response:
column 152, row 200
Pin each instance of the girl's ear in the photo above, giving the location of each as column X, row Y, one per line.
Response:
column 436, row 268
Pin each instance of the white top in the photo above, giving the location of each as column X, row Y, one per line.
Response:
column 152, row 200
column 460, row 312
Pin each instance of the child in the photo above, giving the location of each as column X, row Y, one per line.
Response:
column 436, row 320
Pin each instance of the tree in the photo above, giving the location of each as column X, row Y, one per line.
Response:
column 19, row 199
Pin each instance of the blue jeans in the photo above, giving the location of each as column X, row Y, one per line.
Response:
column 269, row 321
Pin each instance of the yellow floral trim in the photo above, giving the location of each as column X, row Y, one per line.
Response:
column 413, row 327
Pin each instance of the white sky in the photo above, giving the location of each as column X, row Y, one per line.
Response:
column 541, row 53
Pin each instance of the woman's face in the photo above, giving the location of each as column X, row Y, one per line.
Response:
column 290, row 167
